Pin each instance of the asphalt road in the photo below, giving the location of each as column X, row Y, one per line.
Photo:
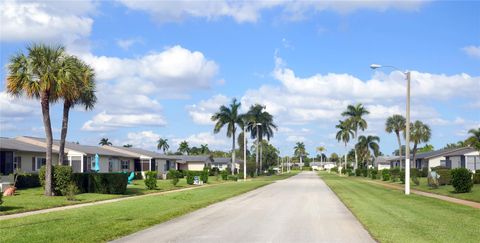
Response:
column 299, row 209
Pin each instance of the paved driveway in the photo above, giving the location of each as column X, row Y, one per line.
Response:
column 299, row 209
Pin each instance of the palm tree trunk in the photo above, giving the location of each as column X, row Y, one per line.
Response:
column 45, row 102
column 399, row 148
column 256, row 154
column 261, row 156
column 355, row 149
column 414, row 155
column 63, row 136
column 233, row 152
column 346, row 154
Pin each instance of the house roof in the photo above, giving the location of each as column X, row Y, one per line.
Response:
column 13, row 144
column 385, row 159
column 461, row 151
column 191, row 158
column 437, row 153
column 223, row 160
column 87, row 149
column 143, row 152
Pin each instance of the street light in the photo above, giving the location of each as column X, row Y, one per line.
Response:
column 244, row 153
column 407, row 127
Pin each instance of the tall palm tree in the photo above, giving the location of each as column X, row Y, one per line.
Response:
column 474, row 140
column 368, row 144
column 299, row 150
column 40, row 74
column 204, row 149
column 321, row 149
column 419, row 133
column 184, row 148
column 396, row 124
column 104, row 142
column 162, row 144
column 344, row 134
column 355, row 114
column 230, row 117
column 81, row 91
column 255, row 115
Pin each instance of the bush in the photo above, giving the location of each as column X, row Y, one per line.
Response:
column 432, row 181
column 476, row 177
column 271, row 172
column 172, row 173
column 71, row 191
column 334, row 169
column 423, row 172
column 1, row 201
column 349, row 172
column 214, row 171
column 358, row 172
column 385, row 174
column 402, row 176
column 462, row 180
column 232, row 178
column 373, row 174
column 364, row 172
column 62, row 177
column 204, row 176
column 224, row 174
column 415, row 180
column 190, row 177
column 175, row 181
column 26, row 180
column 150, row 180
column 394, row 174
column 445, row 175
column 106, row 183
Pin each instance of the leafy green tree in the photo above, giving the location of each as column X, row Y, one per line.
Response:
column 474, row 140
column 270, row 154
column 79, row 91
column 344, row 134
column 162, row 144
column 366, row 145
column 229, row 117
column 334, row 157
column 40, row 74
column 104, row 142
column 204, row 149
column 426, row 148
column 354, row 114
column 459, row 144
column 396, row 124
column 184, row 148
column 419, row 133
column 299, row 151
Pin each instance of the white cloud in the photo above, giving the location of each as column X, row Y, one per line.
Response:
column 106, row 122
column 473, row 51
column 202, row 112
column 125, row 44
column 143, row 139
column 250, row 11
column 215, row 141
column 45, row 20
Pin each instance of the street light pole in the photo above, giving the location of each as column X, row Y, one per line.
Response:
column 407, row 127
column 256, row 150
column 244, row 153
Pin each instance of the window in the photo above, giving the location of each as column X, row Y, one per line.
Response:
column 470, row 162
column 40, row 162
column 477, row 162
column 125, row 164
column 17, row 163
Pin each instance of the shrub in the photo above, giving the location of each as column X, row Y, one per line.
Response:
column 71, row 191
column 175, row 181
column 106, row 183
column 358, row 172
column 349, row 172
column 190, row 177
column 26, row 180
column 394, row 174
column 172, row 173
column 423, row 172
column 445, row 175
column 373, row 174
column 224, row 174
column 271, row 172
column 214, row 171
column 205, row 174
column 402, row 176
column 1, row 201
column 61, row 178
column 462, row 180
column 364, row 172
column 415, row 180
column 151, row 180
column 476, row 177
column 232, row 178
column 432, row 181
column 385, row 174
column 334, row 169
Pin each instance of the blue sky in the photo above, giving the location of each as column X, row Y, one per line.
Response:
column 164, row 67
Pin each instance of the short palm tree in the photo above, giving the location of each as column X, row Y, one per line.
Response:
column 104, row 142
column 344, row 134
column 355, row 114
column 204, row 149
column 419, row 133
column 229, row 117
column 369, row 146
column 257, row 115
column 299, row 150
column 41, row 74
column 396, row 124
column 162, row 144
column 474, row 140
column 321, row 149
column 184, row 148
column 81, row 91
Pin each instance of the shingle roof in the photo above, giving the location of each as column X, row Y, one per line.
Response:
column 223, row 160
column 13, row 144
column 191, row 158
column 145, row 152
column 437, row 153
column 460, row 152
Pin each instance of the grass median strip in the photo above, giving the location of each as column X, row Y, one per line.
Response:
column 113, row 220
column 391, row 216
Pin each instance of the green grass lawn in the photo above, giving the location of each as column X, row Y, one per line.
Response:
column 391, row 216
column 448, row 190
column 109, row 221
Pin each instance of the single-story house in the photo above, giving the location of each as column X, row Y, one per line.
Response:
column 465, row 158
column 225, row 163
column 148, row 160
column 188, row 162
column 384, row 162
column 82, row 157
column 19, row 155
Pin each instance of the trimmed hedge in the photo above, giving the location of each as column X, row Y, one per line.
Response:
column 395, row 174
column 232, row 178
column 385, row 174
column 373, row 174
column 26, row 180
column 174, row 174
column 461, row 180
column 105, row 183
column 61, row 178
column 203, row 176
column 150, row 180
column 445, row 175
column 224, row 175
